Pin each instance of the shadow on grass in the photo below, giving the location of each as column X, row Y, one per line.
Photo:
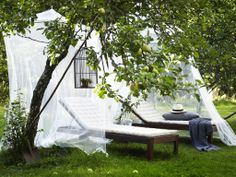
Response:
column 57, row 157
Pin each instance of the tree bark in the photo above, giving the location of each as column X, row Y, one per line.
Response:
column 36, row 101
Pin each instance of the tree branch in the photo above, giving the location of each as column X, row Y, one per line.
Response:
column 36, row 40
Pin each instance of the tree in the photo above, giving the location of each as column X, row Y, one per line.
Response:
column 3, row 73
column 218, row 61
column 120, row 25
column 210, row 35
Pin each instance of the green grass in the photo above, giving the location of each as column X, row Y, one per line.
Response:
column 127, row 160
column 124, row 159
column 225, row 108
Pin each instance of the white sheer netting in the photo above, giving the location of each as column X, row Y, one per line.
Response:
column 225, row 132
column 156, row 105
column 26, row 61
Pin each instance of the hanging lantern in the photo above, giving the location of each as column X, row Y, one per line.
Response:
column 84, row 76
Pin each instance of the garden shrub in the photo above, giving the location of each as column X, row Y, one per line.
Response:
column 4, row 84
column 13, row 138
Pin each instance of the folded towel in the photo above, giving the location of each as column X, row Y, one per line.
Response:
column 200, row 129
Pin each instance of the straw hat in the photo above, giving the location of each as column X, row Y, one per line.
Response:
column 178, row 108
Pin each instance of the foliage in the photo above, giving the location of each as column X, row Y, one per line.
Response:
column 209, row 33
column 3, row 73
column 120, row 25
column 85, row 82
column 218, row 60
column 2, row 121
column 14, row 132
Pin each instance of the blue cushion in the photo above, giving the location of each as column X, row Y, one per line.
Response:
column 180, row 116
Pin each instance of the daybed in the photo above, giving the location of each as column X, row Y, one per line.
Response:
column 89, row 117
column 151, row 118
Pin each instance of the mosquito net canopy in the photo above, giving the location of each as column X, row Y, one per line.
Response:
column 26, row 61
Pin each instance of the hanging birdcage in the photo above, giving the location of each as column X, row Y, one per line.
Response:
column 84, row 76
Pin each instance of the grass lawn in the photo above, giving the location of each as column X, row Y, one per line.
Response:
column 127, row 160
column 225, row 108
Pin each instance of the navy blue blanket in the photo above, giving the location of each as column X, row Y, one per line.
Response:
column 200, row 129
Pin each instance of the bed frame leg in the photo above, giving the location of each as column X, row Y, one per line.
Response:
column 150, row 149
column 210, row 138
column 176, row 145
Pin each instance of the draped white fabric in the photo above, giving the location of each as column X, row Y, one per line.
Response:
column 205, row 107
column 226, row 133
column 26, row 61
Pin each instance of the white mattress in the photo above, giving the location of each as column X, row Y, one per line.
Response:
column 139, row 131
column 85, row 113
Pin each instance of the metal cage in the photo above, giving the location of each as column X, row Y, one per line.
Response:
column 83, row 75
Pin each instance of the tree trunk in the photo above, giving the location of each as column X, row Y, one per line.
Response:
column 36, row 101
